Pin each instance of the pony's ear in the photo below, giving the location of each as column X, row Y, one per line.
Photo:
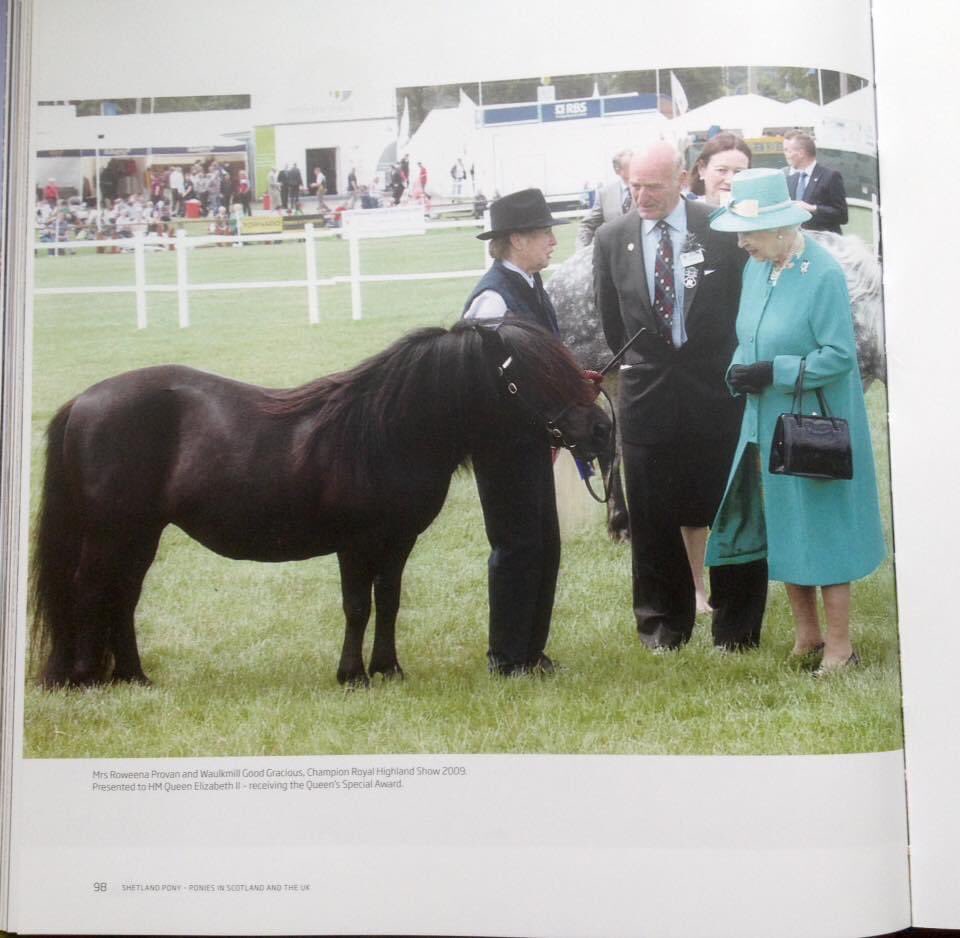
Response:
column 489, row 332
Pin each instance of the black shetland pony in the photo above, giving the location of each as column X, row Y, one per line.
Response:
column 357, row 463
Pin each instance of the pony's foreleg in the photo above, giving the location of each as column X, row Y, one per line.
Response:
column 356, row 581
column 386, row 593
column 618, row 526
column 618, row 522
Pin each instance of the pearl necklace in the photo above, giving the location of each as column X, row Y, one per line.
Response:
column 795, row 250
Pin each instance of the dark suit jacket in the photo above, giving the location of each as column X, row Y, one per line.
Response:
column 825, row 190
column 670, row 393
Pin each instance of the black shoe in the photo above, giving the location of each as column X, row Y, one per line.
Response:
column 747, row 644
column 657, row 644
column 503, row 668
column 543, row 665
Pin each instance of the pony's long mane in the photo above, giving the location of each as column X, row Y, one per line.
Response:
column 433, row 382
column 418, row 381
column 546, row 364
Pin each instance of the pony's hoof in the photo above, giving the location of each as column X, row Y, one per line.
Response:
column 352, row 679
column 619, row 535
column 136, row 677
column 52, row 681
column 390, row 673
column 85, row 677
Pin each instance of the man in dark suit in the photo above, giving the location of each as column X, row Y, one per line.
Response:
column 660, row 271
column 294, row 185
column 613, row 200
column 816, row 187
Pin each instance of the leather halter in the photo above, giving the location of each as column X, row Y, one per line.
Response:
column 503, row 372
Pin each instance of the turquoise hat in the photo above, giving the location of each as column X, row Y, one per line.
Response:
column 760, row 200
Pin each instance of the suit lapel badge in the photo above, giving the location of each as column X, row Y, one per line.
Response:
column 630, row 246
column 692, row 258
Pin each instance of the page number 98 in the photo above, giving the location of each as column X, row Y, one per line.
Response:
column 99, row 887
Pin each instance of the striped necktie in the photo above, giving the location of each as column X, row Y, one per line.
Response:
column 663, row 289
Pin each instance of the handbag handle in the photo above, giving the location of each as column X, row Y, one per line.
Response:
column 797, row 406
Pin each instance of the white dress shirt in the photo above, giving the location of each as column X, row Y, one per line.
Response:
column 677, row 222
column 489, row 304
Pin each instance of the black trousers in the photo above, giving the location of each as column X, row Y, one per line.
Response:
column 520, row 515
column 674, row 484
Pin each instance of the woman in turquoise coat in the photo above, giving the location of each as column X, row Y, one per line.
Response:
column 794, row 309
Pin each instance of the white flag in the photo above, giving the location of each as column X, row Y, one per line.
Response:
column 679, row 98
column 403, row 134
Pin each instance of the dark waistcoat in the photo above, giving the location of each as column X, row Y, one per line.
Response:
column 522, row 300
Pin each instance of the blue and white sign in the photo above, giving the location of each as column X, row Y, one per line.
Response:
column 570, row 110
column 579, row 109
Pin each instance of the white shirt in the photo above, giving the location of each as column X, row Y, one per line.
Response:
column 677, row 222
column 489, row 304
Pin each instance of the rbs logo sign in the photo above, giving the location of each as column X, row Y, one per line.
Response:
column 565, row 110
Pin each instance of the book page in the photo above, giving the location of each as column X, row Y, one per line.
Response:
column 915, row 67
column 244, row 790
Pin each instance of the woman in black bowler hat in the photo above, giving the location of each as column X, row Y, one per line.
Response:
column 516, row 488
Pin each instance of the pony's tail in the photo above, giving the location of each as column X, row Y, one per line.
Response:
column 56, row 552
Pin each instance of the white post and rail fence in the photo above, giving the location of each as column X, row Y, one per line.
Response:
column 358, row 226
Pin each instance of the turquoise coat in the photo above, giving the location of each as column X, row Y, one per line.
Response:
column 813, row 532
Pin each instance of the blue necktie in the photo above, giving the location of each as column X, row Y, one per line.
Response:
column 801, row 186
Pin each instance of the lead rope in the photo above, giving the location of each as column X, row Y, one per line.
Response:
column 608, row 477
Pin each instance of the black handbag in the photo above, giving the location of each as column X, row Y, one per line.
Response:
column 811, row 445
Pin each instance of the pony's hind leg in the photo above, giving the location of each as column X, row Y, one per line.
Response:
column 59, row 663
column 386, row 593
column 107, row 586
column 123, row 637
column 356, row 581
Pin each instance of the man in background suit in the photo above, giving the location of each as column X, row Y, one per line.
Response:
column 662, row 272
column 613, row 200
column 816, row 187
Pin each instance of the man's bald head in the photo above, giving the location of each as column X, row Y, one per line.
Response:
column 656, row 179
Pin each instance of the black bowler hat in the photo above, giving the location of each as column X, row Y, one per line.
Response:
column 519, row 211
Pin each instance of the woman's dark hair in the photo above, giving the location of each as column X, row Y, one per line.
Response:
column 719, row 144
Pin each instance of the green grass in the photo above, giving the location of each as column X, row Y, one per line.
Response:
column 244, row 655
